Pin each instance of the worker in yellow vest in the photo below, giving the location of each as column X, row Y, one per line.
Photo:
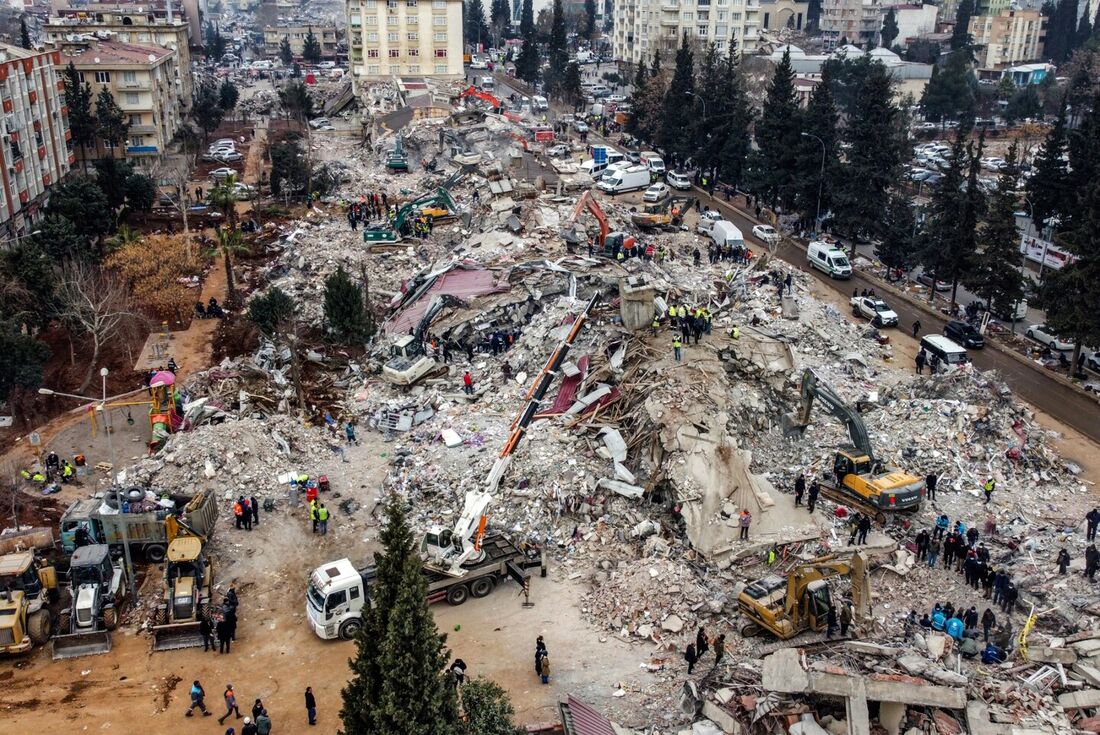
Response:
column 313, row 514
column 676, row 345
column 322, row 518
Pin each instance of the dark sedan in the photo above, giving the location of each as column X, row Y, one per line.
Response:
column 964, row 334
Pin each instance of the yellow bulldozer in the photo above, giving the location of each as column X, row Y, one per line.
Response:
column 188, row 587
column 799, row 602
column 28, row 586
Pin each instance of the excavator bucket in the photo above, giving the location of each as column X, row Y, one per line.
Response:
column 791, row 424
column 74, row 645
column 174, row 636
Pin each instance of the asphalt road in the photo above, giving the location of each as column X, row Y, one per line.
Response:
column 1048, row 395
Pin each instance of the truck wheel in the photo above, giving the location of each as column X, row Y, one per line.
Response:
column 748, row 630
column 880, row 518
column 64, row 622
column 38, row 627
column 110, row 618
column 154, row 553
column 350, row 628
column 481, row 587
column 457, row 594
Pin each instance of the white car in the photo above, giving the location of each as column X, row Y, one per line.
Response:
column 1044, row 335
column 223, row 173
column 228, row 157
column 558, row 151
column 616, row 98
column 707, row 220
column 243, row 190
column 767, row 233
column 1092, row 361
column 656, row 192
column 580, row 127
column 678, row 180
column 317, row 122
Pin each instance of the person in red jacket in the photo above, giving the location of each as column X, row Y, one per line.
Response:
column 467, row 383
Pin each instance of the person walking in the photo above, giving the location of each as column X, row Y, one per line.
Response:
column 540, row 651
column 677, row 344
column 942, row 522
column 544, row 669
column 830, row 622
column 257, row 708
column 1092, row 557
column 198, row 699
column 916, row 328
column 1063, row 561
column 313, row 513
column 263, row 723
column 349, row 428
column 691, row 657
column 988, row 488
column 988, row 621
column 799, row 489
column 1093, row 518
column 467, row 383
column 322, row 519
column 719, row 648
column 1011, row 594
column 246, row 510
column 230, row 704
column 930, row 483
column 921, row 360
column 811, row 498
column 933, row 551
column 745, row 520
column 311, row 706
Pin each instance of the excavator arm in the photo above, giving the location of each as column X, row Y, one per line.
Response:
column 799, row 578
column 813, row 388
column 473, row 91
column 587, row 201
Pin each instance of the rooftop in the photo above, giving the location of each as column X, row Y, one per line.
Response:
column 114, row 52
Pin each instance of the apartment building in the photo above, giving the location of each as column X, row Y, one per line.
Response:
column 72, row 29
column 36, row 150
column 189, row 11
column 853, row 21
column 914, row 20
column 274, row 35
column 146, row 84
column 1012, row 37
column 644, row 26
column 404, row 38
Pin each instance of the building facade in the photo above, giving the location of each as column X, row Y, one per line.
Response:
column 36, row 148
column 913, row 21
column 644, row 26
column 1013, row 37
column 72, row 30
column 188, row 11
column 145, row 82
column 850, row 21
column 404, row 38
column 274, row 35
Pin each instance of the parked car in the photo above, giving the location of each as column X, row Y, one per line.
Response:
column 228, row 157
column 243, row 190
column 223, row 172
column 1092, row 361
column 1044, row 335
column 656, row 193
column 633, row 156
column 933, row 178
column 558, row 151
column 919, row 174
column 580, row 126
column 707, row 220
column 319, row 121
column 875, row 309
column 678, row 180
column 964, row 334
column 616, row 98
column 767, row 233
column 926, row 280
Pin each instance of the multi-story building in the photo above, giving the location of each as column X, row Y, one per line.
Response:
column 404, row 38
column 274, row 35
column 146, row 84
column 36, row 151
column 644, row 26
column 1013, row 37
column 852, row 21
column 74, row 29
column 161, row 10
column 914, row 20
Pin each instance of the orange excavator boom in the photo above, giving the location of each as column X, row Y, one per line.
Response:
column 587, row 200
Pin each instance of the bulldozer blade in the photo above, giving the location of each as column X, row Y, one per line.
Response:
column 74, row 645
column 175, row 636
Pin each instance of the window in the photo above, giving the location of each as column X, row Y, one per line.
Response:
column 441, row 53
column 356, row 20
column 129, row 76
column 735, row 16
column 704, row 15
column 391, row 3
column 412, row 36
column 103, row 77
column 439, row 4
column 395, row 53
column 414, row 52
column 372, row 70
column 131, row 98
column 391, row 20
column 701, row 30
column 137, row 140
column 372, row 3
column 439, row 20
column 410, row 3
column 38, row 140
column 722, row 15
column 135, row 119
column 395, row 69
column 372, row 20
column 412, row 20
column 721, row 31
column 372, row 37
column 372, row 53
column 393, row 37
column 440, row 37
column 440, row 68
column 688, row 17
column 414, row 68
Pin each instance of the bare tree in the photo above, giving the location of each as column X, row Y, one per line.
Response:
column 176, row 173
column 93, row 302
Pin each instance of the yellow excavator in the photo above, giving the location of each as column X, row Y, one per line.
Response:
column 188, row 590
column 860, row 480
column 786, row 607
column 28, row 586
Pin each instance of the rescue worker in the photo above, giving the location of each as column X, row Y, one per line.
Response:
column 322, row 518
column 67, row 472
column 238, row 512
column 988, row 488
column 313, row 514
column 677, row 344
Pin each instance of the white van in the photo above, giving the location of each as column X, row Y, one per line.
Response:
column 626, row 179
column 613, row 167
column 952, row 355
column 830, row 259
column 726, row 233
column 654, row 161
column 539, row 104
column 593, row 169
column 487, row 84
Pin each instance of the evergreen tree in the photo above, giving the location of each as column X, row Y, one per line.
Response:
column 679, row 118
column 110, row 177
column 589, row 30
column 708, row 91
column 1049, row 189
column 559, row 55
column 949, row 94
column 820, row 144
column 58, row 237
column 22, row 360
column 1084, row 32
column 270, row 310
column 874, row 156
column 890, row 29
column 655, row 67
column 1023, row 104
column 81, row 202
column 344, row 310
column 773, row 165
column 215, row 42
column 571, row 91
column 993, row 274
column 78, row 98
column 477, row 30
column 25, row 35
column 945, row 252
column 286, row 54
column 397, row 683
column 527, row 63
column 311, row 47
column 111, row 124
column 206, row 108
column 900, row 246
column 28, row 274
column 228, row 96
column 487, row 708
column 632, row 126
column 140, row 191
column 960, row 35
column 734, row 130
column 526, row 19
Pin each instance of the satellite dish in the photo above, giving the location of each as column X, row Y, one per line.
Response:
column 97, row 59
column 152, row 57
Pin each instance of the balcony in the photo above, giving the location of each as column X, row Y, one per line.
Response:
column 143, row 129
column 670, row 22
column 136, row 85
column 670, row 7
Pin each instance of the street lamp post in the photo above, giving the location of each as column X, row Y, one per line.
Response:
column 820, row 178
column 103, row 373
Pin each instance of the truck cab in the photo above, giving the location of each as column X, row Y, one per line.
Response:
column 337, row 594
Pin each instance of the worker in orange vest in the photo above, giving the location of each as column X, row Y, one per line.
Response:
column 238, row 512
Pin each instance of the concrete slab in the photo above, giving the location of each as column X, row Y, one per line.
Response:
column 890, row 715
column 977, row 720
column 1080, row 700
column 872, row 649
column 1090, row 674
column 1048, row 655
column 782, row 672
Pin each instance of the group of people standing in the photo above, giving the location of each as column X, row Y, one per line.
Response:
column 246, row 512
column 371, row 206
column 703, row 643
column 260, row 721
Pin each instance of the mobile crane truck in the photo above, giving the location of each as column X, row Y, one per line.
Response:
column 458, row 563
